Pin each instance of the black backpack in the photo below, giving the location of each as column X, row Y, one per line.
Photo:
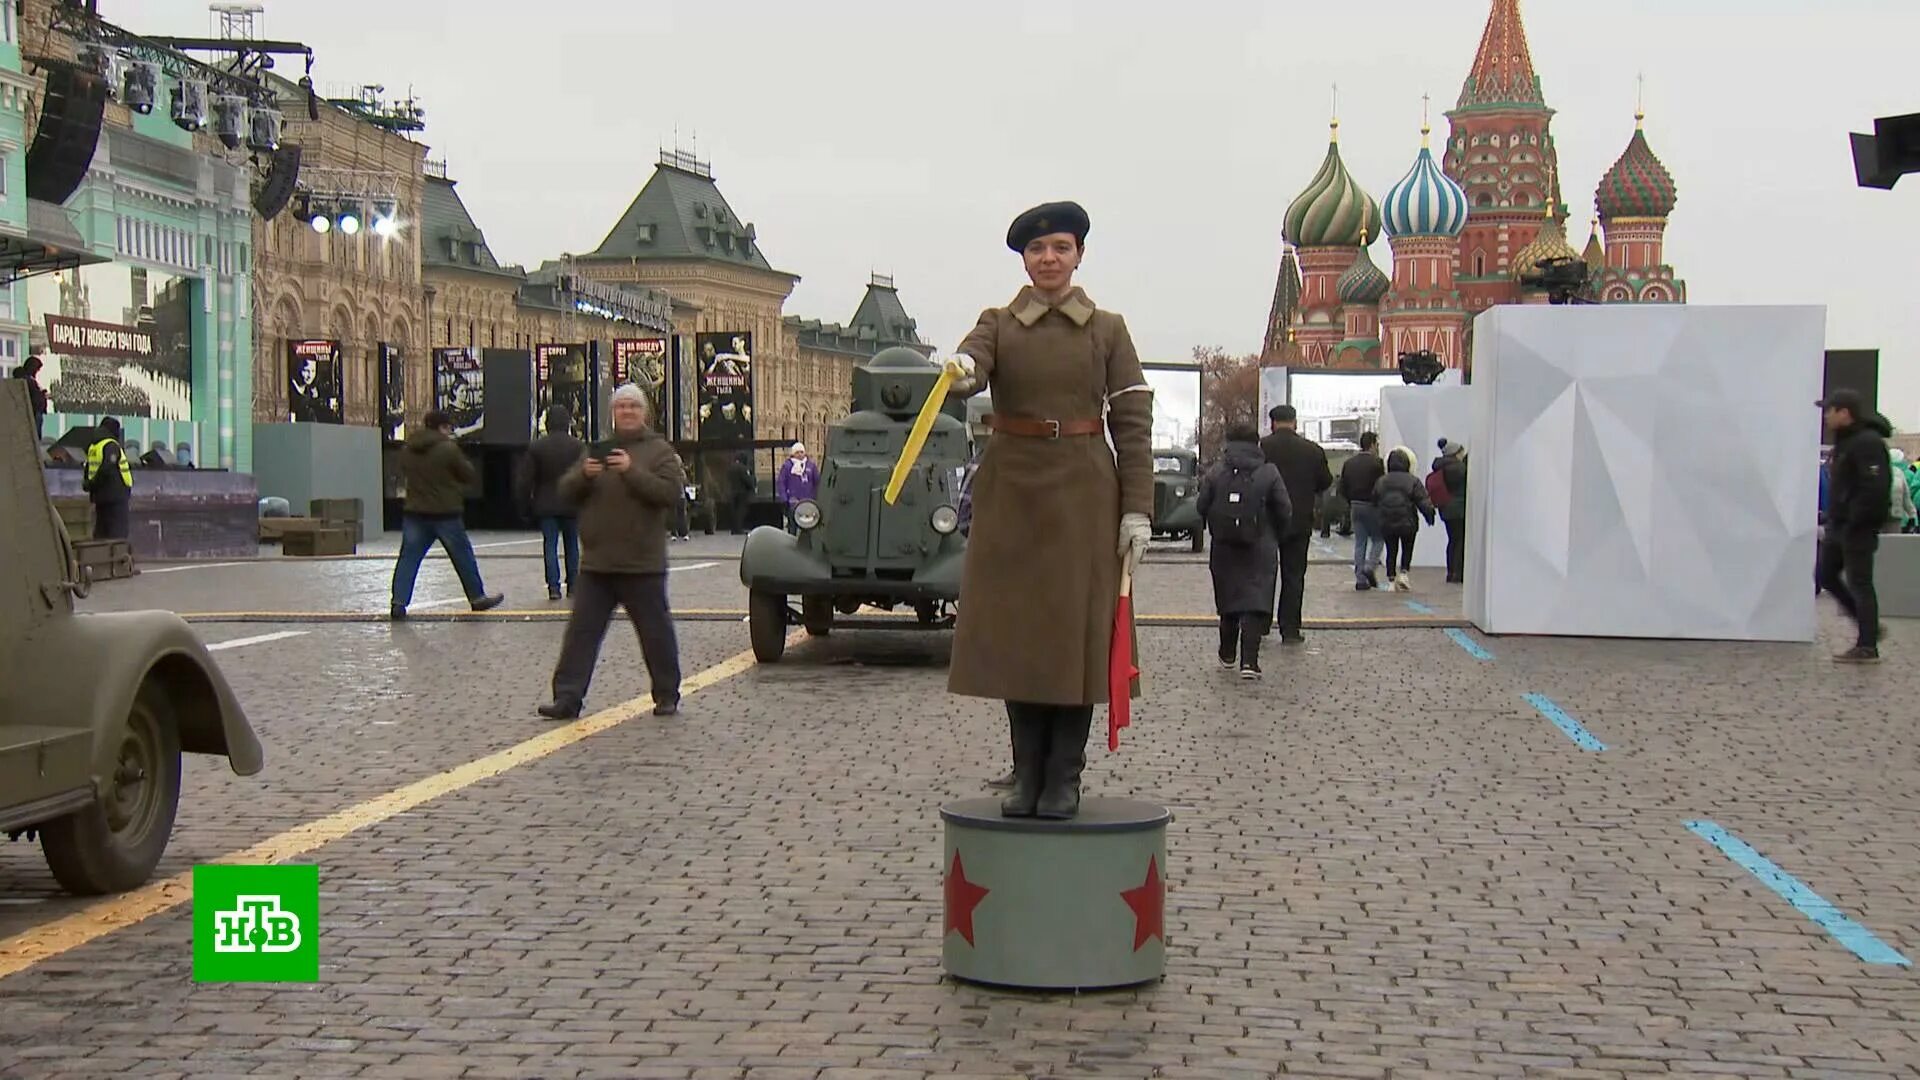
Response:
column 1237, row 510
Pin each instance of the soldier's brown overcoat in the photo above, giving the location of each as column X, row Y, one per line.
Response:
column 1043, row 567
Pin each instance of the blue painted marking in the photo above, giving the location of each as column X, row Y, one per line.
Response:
column 1419, row 608
column 1473, row 648
column 1568, row 724
column 1855, row 937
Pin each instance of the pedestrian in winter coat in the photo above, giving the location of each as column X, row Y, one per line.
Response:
column 548, row 459
column 1357, row 478
column 1453, row 514
column 1402, row 500
column 1245, row 503
column 1058, row 512
column 1303, row 467
column 436, row 474
column 36, row 394
column 1858, row 498
column 798, row 480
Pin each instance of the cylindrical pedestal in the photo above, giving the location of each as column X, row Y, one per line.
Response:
column 1076, row 904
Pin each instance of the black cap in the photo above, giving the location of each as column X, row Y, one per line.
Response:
column 1048, row 218
column 1843, row 398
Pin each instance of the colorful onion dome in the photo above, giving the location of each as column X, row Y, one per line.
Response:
column 1363, row 283
column 1550, row 244
column 1426, row 202
column 1594, row 256
column 1334, row 211
column 1637, row 186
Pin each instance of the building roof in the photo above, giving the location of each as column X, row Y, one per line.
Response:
column 1550, row 243
column 1594, row 256
column 680, row 214
column 449, row 237
column 1334, row 210
column 1502, row 72
column 882, row 315
column 1426, row 201
column 1363, row 283
column 1286, row 304
column 1638, row 185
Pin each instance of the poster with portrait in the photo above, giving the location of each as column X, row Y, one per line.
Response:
column 560, row 378
column 725, row 374
column 393, row 393
column 114, row 340
column 643, row 362
column 313, row 381
column 460, row 390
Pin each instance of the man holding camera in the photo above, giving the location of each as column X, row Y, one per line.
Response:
column 626, row 488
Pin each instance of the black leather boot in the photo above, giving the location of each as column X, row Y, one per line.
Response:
column 1066, row 759
column 1029, row 724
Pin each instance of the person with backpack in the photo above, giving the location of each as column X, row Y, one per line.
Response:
column 1452, row 467
column 1244, row 502
column 1401, row 501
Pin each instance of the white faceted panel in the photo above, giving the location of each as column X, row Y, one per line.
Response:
column 1418, row 417
column 1645, row 471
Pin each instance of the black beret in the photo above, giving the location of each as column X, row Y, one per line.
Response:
column 1048, row 218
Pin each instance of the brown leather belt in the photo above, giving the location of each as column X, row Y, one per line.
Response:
column 1043, row 429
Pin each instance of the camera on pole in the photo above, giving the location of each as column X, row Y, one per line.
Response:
column 1420, row 368
column 1563, row 279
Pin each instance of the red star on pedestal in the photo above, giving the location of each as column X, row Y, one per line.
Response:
column 962, row 897
column 1149, row 904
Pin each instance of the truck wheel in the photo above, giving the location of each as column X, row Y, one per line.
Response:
column 816, row 614
column 1199, row 540
column 767, row 625
column 114, row 844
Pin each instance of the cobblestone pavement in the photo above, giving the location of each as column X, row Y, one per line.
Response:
column 1386, row 860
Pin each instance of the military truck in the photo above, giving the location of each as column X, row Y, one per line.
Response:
column 1176, row 491
column 850, row 548
column 95, row 709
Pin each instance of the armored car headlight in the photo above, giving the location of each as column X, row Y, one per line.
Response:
column 806, row 513
column 945, row 519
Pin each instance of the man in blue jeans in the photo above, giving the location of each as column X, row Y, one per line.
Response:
column 436, row 474
column 1357, row 479
column 548, row 459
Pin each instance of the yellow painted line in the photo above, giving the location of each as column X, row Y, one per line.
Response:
column 28, row 948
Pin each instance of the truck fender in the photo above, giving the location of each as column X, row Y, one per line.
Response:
column 775, row 554
column 103, row 659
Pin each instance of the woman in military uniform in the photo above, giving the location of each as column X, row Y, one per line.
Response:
column 1060, row 505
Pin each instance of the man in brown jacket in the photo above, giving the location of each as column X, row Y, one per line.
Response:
column 625, row 489
column 436, row 473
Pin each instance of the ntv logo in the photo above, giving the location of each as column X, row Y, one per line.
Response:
column 256, row 924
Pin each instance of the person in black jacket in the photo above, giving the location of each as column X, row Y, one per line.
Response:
column 1858, row 501
column 1303, row 468
column 1357, row 479
column 548, row 459
column 1452, row 467
column 1244, row 502
column 1402, row 501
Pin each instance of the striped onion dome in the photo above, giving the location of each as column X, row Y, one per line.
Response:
column 1551, row 243
column 1334, row 211
column 1426, row 202
column 1638, row 185
column 1363, row 283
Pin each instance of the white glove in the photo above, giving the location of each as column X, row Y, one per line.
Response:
column 965, row 373
column 1135, row 531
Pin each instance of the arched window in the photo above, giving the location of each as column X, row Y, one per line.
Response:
column 1485, row 199
column 1479, row 264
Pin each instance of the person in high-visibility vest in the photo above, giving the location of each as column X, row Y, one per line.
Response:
column 109, row 483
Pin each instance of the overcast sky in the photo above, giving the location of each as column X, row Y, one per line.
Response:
column 902, row 137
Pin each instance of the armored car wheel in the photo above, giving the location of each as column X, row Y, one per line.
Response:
column 767, row 625
column 114, row 844
column 816, row 614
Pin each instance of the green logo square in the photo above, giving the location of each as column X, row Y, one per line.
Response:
column 256, row 924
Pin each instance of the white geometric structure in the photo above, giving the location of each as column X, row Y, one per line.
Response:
column 1645, row 471
column 1418, row 417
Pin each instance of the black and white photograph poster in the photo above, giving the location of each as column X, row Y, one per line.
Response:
column 113, row 339
column 393, row 393
column 560, row 378
column 313, row 381
column 726, row 385
column 460, row 390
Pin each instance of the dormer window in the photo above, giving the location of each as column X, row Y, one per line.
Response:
column 643, row 232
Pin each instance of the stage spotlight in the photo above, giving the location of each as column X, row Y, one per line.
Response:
column 190, row 104
column 105, row 63
column 318, row 215
column 386, row 219
column 141, row 86
column 263, row 128
column 230, row 120
column 349, row 222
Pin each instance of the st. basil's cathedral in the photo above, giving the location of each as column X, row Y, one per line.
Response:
column 1463, row 231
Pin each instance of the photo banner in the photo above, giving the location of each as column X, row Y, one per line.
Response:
column 460, row 390
column 643, row 362
column 393, row 393
column 725, row 376
column 313, row 381
column 114, row 340
column 560, row 378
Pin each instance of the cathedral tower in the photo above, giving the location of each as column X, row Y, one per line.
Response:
column 1424, row 215
column 1633, row 200
column 1326, row 223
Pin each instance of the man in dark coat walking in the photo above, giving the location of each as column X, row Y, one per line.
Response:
column 1357, row 479
column 548, row 459
column 1303, row 468
column 1858, row 502
column 1246, row 507
column 1452, row 466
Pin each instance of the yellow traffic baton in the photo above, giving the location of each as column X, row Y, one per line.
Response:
column 917, row 435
